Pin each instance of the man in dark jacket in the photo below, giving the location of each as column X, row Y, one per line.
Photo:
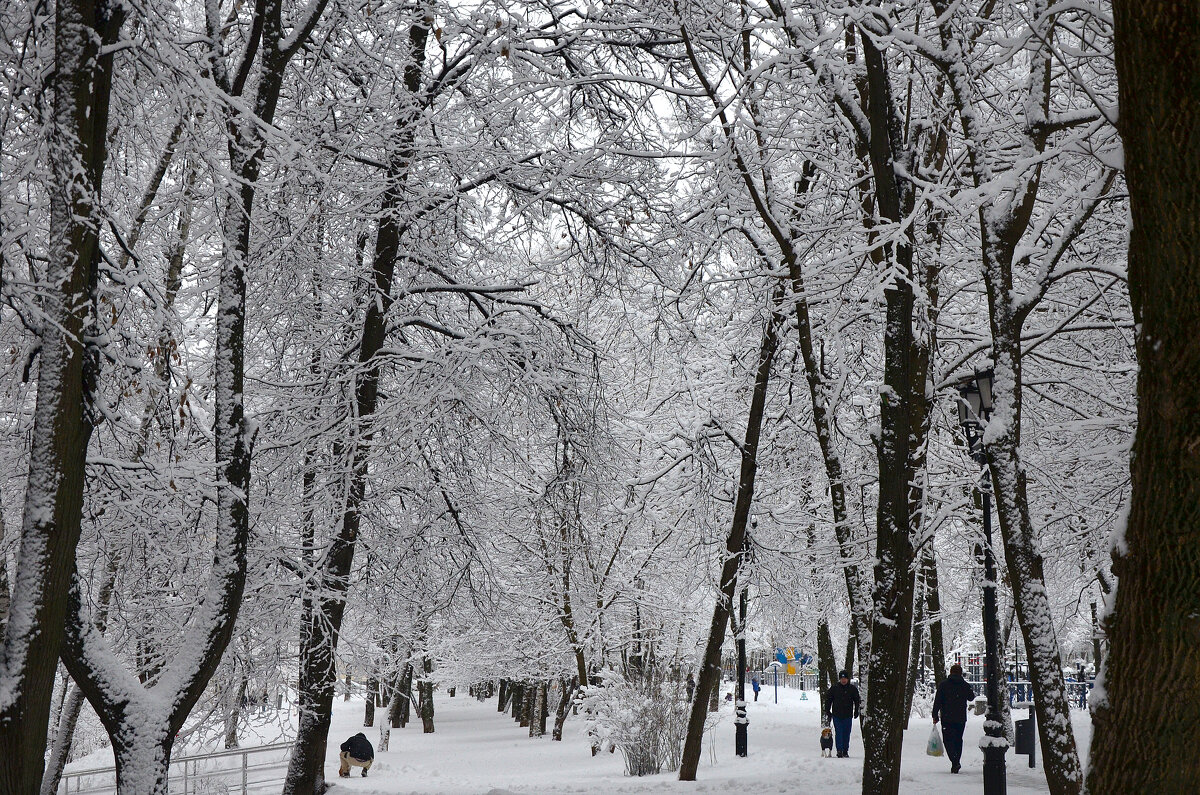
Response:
column 356, row 752
column 844, row 705
column 950, row 704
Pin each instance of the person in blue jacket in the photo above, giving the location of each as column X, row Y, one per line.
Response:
column 950, row 704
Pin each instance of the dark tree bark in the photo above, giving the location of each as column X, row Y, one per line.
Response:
column 1146, row 734
column 903, row 423
column 427, row 697
column 710, row 671
column 914, row 650
column 322, row 612
column 402, row 698
column 933, row 614
column 1005, row 227
column 369, row 706
column 396, row 714
column 234, row 716
column 68, row 375
column 60, row 750
column 826, row 667
column 143, row 720
column 537, row 722
column 517, row 699
column 567, row 692
column 502, row 698
column 528, row 702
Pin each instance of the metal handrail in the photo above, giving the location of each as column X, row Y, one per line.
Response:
column 194, row 775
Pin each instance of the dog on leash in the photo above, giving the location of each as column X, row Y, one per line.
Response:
column 827, row 742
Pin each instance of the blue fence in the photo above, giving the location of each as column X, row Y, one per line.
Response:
column 1022, row 692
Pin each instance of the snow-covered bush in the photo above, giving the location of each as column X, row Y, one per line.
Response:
column 645, row 715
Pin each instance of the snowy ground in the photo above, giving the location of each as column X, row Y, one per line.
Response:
column 479, row 751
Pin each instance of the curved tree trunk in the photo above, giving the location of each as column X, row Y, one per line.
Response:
column 68, row 376
column 903, row 424
column 710, row 670
column 323, row 613
column 1146, row 734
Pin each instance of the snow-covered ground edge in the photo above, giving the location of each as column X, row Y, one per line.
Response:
column 477, row 750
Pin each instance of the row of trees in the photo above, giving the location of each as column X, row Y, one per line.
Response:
column 468, row 342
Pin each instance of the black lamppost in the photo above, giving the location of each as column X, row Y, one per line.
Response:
column 741, row 722
column 974, row 409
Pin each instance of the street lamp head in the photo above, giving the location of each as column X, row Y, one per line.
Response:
column 970, row 404
column 983, row 381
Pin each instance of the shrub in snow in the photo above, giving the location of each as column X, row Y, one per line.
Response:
column 922, row 702
column 643, row 714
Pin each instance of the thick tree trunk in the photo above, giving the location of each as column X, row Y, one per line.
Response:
column 233, row 714
column 933, row 614
column 1061, row 759
column 914, row 650
column 396, row 716
column 502, row 698
column 516, row 700
column 1147, row 730
column 1003, row 226
column 68, row 377
column 63, row 738
column 369, row 704
column 427, row 697
column 524, row 709
column 710, row 670
column 818, row 390
column 826, row 667
column 567, row 687
column 324, row 616
column 537, row 723
column 402, row 698
column 903, row 426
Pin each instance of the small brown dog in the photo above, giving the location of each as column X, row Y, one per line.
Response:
column 827, row 742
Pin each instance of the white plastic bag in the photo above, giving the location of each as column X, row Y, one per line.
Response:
column 934, row 748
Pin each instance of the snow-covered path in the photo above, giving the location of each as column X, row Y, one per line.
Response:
column 477, row 750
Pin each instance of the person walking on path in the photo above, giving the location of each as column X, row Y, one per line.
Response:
column 844, row 705
column 950, row 704
column 691, row 686
column 754, row 683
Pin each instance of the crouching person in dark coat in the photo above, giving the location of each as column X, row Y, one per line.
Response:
column 356, row 752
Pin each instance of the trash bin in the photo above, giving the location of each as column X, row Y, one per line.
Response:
column 1025, row 738
column 980, row 705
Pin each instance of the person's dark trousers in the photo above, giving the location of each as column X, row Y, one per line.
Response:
column 841, row 731
column 952, row 734
column 756, row 695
